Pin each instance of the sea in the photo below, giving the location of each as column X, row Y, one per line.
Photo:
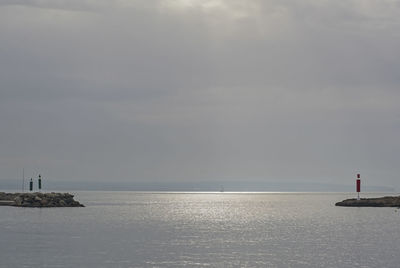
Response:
column 201, row 229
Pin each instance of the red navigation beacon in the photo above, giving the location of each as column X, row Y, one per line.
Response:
column 358, row 186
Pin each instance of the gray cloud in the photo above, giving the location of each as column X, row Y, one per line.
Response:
column 200, row 90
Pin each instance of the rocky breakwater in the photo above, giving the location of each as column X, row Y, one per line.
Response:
column 39, row 200
column 387, row 201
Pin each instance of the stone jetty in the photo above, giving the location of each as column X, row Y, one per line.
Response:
column 38, row 200
column 387, row 201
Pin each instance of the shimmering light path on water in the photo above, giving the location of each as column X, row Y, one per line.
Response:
column 133, row 229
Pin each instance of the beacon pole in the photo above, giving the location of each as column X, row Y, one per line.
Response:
column 23, row 180
column 40, row 182
column 358, row 186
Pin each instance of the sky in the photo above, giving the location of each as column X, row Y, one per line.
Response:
column 198, row 91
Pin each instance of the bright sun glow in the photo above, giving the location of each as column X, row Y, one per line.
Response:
column 220, row 8
column 194, row 3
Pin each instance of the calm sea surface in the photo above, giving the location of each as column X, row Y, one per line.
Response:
column 133, row 229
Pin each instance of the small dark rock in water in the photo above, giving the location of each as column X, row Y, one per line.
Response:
column 387, row 201
column 38, row 200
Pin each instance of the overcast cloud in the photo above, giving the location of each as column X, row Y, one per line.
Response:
column 201, row 90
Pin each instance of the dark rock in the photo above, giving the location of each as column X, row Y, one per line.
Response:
column 39, row 200
column 387, row 201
